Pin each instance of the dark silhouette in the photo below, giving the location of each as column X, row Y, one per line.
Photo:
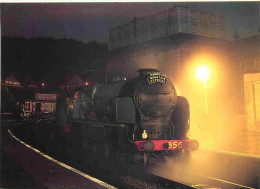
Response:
column 48, row 59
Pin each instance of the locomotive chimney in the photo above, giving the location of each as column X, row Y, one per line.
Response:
column 146, row 71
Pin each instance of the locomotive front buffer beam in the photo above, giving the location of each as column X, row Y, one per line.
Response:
column 148, row 146
column 164, row 145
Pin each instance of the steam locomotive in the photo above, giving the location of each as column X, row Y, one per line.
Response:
column 137, row 118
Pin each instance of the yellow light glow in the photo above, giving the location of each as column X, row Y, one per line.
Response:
column 202, row 73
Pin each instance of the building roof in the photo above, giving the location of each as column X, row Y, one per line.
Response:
column 12, row 77
column 30, row 82
column 12, row 80
column 20, row 94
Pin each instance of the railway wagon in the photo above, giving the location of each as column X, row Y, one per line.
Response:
column 137, row 118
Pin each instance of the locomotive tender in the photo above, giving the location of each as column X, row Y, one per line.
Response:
column 139, row 117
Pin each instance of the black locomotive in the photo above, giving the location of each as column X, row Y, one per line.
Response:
column 139, row 117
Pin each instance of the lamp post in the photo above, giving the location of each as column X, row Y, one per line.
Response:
column 202, row 73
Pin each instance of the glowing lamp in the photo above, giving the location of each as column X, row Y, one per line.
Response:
column 86, row 83
column 43, row 83
column 202, row 73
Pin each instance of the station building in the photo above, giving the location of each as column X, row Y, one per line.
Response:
column 178, row 40
column 31, row 98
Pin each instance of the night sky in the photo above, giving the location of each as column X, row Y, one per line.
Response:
column 91, row 21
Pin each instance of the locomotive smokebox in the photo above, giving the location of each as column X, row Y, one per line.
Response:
column 147, row 71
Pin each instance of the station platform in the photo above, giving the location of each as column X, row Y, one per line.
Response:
column 13, row 175
column 23, row 166
column 245, row 142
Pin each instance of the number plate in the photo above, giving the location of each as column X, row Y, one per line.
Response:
column 174, row 145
